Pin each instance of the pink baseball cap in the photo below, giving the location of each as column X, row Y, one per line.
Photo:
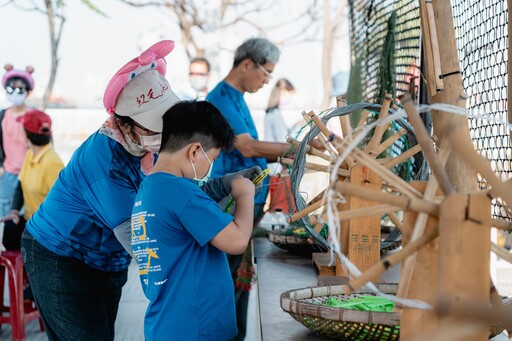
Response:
column 36, row 122
column 139, row 89
column 11, row 72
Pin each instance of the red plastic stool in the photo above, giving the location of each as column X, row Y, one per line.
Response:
column 18, row 312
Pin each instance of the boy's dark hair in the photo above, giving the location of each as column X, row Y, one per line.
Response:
column 38, row 139
column 195, row 121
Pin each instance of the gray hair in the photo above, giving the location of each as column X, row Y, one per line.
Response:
column 259, row 50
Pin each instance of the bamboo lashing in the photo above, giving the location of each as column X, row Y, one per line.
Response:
column 464, row 148
column 415, row 204
column 314, row 166
column 371, row 147
column 393, row 259
column 426, row 144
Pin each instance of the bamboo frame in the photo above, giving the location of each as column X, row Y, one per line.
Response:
column 307, row 210
column 310, row 150
column 390, row 141
column 415, row 204
column 372, row 146
column 393, row 259
column 402, row 157
column 314, row 166
column 362, row 120
column 426, row 143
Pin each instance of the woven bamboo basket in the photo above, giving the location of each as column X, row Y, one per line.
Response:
column 305, row 306
column 292, row 243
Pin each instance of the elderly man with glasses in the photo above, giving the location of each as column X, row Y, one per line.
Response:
column 253, row 65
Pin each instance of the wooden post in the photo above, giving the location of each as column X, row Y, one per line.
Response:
column 423, row 277
column 464, row 247
column 463, row 177
column 364, row 233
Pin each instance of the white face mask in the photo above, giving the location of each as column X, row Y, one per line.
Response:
column 198, row 83
column 16, row 99
column 203, row 180
column 151, row 143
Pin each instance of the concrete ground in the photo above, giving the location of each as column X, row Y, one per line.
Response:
column 129, row 324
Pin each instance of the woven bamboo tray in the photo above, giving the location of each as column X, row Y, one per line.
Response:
column 292, row 243
column 304, row 305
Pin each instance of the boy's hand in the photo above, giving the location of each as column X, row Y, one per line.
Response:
column 249, row 173
column 13, row 215
column 241, row 186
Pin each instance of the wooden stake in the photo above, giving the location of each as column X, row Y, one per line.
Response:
column 464, row 243
column 344, row 120
column 418, row 277
column 362, row 120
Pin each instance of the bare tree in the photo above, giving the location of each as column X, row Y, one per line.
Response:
column 199, row 16
column 53, row 9
column 331, row 27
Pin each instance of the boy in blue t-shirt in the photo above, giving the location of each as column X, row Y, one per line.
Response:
column 180, row 237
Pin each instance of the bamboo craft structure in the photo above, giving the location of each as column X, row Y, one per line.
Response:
column 446, row 258
column 360, row 232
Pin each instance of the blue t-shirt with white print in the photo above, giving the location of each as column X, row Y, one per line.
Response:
column 231, row 104
column 186, row 279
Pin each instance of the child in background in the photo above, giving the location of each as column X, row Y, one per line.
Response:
column 18, row 85
column 180, row 235
column 40, row 169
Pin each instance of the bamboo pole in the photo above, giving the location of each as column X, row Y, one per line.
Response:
column 362, row 119
column 331, row 137
column 310, row 150
column 372, row 146
column 426, row 144
column 402, row 157
column 367, row 211
column 314, row 166
column 415, row 204
column 390, row 141
column 463, row 178
column 307, row 210
column 344, row 120
column 386, row 174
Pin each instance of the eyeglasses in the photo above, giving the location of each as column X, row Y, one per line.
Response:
column 267, row 74
column 198, row 74
column 11, row 90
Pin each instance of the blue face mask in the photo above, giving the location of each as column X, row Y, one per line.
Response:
column 202, row 181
